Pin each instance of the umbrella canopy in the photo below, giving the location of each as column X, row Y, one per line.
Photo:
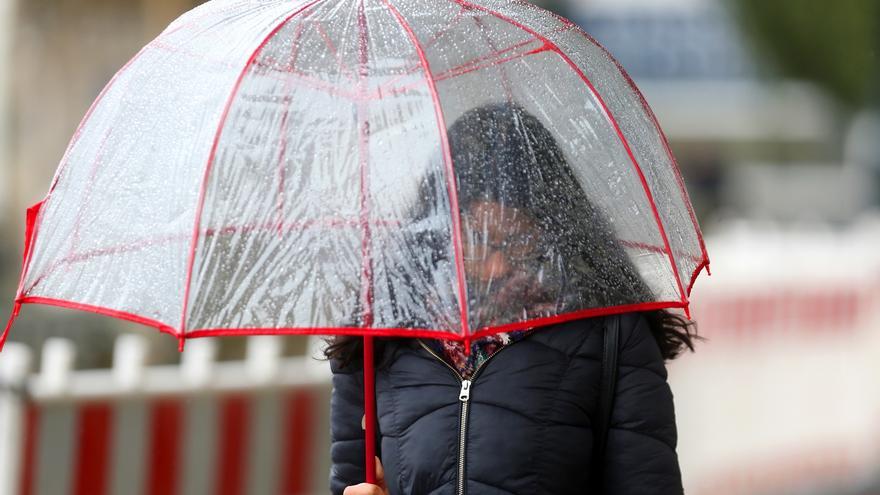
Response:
column 335, row 166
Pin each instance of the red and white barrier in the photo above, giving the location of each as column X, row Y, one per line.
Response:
column 784, row 397
column 771, row 280
column 260, row 426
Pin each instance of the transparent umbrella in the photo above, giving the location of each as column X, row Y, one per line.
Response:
column 334, row 167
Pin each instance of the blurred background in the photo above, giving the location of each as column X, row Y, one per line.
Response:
column 772, row 109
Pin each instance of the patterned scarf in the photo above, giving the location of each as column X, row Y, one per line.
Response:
column 481, row 349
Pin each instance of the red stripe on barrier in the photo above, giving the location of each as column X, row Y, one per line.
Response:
column 232, row 435
column 298, row 443
column 32, row 418
column 164, row 451
column 93, row 449
column 784, row 311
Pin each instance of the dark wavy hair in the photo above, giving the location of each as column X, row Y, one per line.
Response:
column 503, row 153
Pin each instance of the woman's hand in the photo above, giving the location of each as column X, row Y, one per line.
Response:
column 367, row 489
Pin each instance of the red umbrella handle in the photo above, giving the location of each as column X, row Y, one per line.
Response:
column 369, row 410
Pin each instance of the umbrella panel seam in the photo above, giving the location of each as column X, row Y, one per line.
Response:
column 449, row 167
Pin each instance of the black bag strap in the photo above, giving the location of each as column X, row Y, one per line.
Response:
column 610, row 338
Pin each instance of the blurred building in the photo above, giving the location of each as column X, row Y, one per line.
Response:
column 722, row 108
column 7, row 15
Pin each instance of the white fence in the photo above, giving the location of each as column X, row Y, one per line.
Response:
column 258, row 426
column 784, row 398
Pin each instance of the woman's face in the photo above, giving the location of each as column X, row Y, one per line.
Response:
column 497, row 239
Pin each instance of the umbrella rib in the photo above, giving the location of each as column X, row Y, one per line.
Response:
column 411, row 332
column 470, row 67
column 287, row 103
column 450, row 172
column 208, row 165
column 87, row 194
column 411, row 69
column 505, row 81
column 617, row 129
column 343, row 67
column 363, row 127
column 486, row 60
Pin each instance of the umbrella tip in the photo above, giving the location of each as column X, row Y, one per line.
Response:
column 15, row 310
column 181, row 338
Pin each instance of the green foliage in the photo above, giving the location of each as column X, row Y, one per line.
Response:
column 833, row 43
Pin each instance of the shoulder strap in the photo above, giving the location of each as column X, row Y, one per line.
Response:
column 606, row 395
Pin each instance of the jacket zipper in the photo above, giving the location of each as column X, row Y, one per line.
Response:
column 464, row 396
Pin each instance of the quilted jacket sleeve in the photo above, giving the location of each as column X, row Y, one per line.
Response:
column 346, row 434
column 640, row 455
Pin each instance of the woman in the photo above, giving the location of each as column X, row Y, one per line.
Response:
column 517, row 421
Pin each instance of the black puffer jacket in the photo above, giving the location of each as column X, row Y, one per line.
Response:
column 528, row 423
